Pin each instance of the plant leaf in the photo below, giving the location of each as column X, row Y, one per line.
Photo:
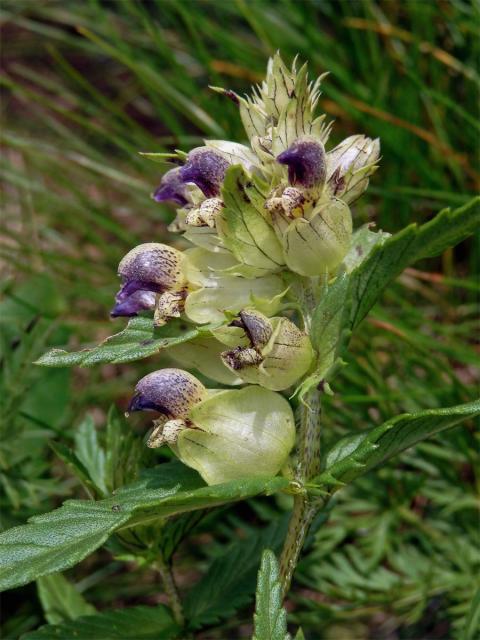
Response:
column 60, row 600
column 355, row 455
column 348, row 300
column 387, row 261
column 62, row 538
column 68, row 457
column 123, row 451
column 472, row 623
column 243, row 227
column 141, row 623
column 91, row 454
column 229, row 582
column 138, row 340
column 270, row 617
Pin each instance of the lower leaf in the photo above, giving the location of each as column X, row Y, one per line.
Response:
column 62, row 538
column 141, row 623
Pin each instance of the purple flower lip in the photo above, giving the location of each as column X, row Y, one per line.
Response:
column 306, row 163
column 172, row 187
column 133, row 297
column 140, row 403
column 206, row 168
column 166, row 192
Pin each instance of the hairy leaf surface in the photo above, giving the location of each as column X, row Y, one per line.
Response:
column 138, row 340
column 270, row 617
column 355, row 455
column 62, row 538
column 141, row 623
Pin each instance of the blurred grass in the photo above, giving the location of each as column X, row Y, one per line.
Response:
column 89, row 83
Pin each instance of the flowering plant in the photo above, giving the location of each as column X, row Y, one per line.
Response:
column 261, row 306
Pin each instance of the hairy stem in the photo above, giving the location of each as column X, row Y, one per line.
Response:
column 302, row 517
column 171, row 590
column 308, row 465
column 304, row 508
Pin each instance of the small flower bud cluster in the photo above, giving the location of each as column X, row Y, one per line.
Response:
column 258, row 216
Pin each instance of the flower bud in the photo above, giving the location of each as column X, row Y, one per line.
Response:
column 349, row 166
column 150, row 271
column 171, row 392
column 278, row 353
column 236, row 434
column 306, row 163
column 317, row 245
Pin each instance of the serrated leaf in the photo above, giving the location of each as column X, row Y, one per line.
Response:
column 229, row 582
column 388, row 260
column 60, row 539
column 348, row 300
column 357, row 454
column 141, row 623
column 270, row 617
column 138, row 340
column 363, row 241
column 176, row 529
column 60, row 599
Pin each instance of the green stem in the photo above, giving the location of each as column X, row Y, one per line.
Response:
column 308, row 464
column 171, row 591
column 302, row 517
column 305, row 507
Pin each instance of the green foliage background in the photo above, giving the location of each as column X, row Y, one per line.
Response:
column 88, row 84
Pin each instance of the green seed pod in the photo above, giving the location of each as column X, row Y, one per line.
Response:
column 278, row 353
column 317, row 245
column 236, row 434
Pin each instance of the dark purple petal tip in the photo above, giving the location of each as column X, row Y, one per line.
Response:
column 206, row 168
column 140, row 403
column 129, row 305
column 172, row 187
column 306, row 163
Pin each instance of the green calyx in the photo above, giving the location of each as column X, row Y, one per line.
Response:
column 273, row 352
